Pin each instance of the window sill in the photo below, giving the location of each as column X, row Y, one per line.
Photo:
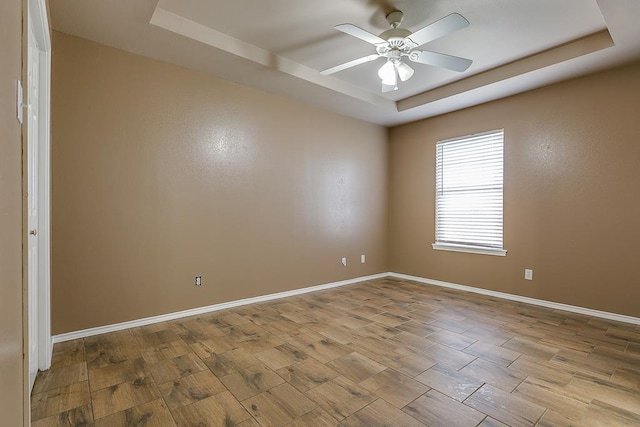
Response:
column 468, row 249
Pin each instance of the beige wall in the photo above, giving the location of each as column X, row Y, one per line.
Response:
column 11, row 372
column 571, row 194
column 161, row 173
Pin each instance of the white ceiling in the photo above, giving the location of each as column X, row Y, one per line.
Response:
column 281, row 45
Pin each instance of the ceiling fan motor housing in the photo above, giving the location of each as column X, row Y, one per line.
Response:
column 395, row 33
column 396, row 40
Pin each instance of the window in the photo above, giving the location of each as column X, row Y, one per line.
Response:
column 469, row 186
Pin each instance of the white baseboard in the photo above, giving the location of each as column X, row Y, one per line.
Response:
column 512, row 297
column 208, row 309
column 211, row 308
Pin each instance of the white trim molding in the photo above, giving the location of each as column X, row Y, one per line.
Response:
column 512, row 297
column 222, row 306
column 38, row 22
column 207, row 309
column 469, row 249
column 45, row 350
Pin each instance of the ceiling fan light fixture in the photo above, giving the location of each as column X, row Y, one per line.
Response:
column 404, row 71
column 388, row 88
column 388, row 74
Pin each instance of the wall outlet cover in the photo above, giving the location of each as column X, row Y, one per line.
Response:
column 528, row 274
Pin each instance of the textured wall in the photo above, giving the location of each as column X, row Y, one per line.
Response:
column 161, row 173
column 11, row 373
column 571, row 194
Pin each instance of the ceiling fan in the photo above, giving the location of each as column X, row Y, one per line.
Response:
column 398, row 43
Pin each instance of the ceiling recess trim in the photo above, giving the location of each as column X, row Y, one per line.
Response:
column 183, row 26
column 555, row 55
column 186, row 27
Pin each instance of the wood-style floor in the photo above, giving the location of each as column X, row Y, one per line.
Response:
column 381, row 353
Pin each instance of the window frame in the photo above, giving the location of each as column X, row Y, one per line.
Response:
column 461, row 247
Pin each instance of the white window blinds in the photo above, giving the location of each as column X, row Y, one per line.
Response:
column 469, row 187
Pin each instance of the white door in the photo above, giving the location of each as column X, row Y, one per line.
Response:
column 38, row 188
column 33, row 84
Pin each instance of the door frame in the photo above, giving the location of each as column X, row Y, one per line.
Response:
column 38, row 18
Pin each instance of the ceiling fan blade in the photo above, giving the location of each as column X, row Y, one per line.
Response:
column 358, row 32
column 449, row 62
column 349, row 64
column 444, row 26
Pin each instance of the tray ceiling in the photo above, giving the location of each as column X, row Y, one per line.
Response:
column 281, row 45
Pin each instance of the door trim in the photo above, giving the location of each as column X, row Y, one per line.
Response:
column 37, row 14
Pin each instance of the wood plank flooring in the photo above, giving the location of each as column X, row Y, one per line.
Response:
column 386, row 352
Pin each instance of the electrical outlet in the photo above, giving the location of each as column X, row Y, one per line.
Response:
column 363, row 259
column 344, row 261
column 198, row 281
column 528, row 274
